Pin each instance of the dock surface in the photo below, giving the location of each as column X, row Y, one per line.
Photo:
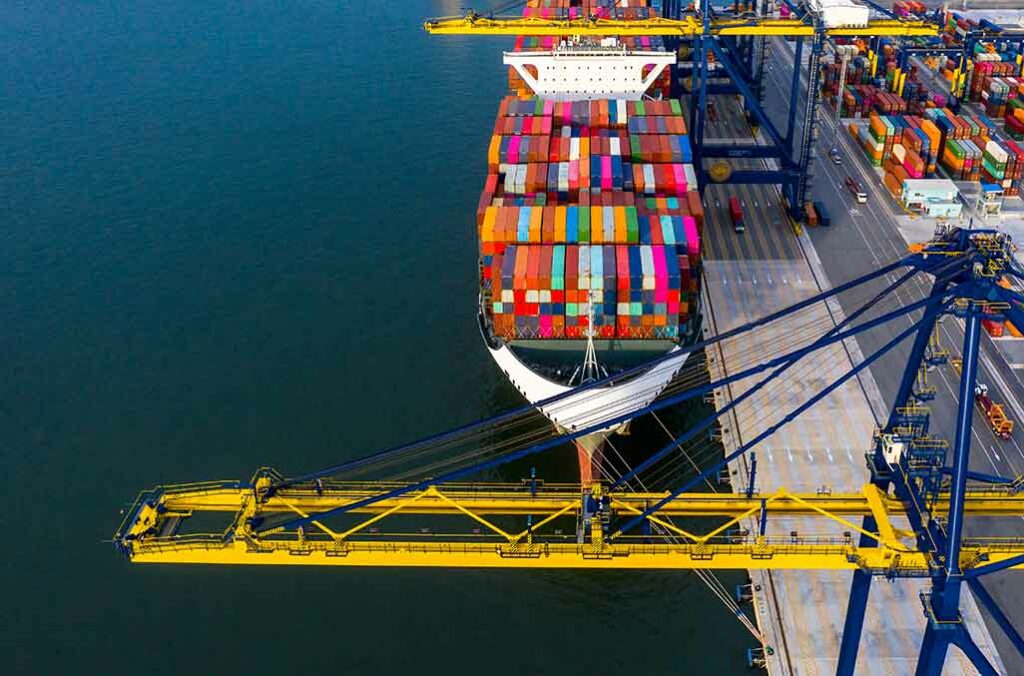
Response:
column 749, row 275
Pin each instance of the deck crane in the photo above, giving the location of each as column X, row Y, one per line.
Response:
column 908, row 522
column 723, row 36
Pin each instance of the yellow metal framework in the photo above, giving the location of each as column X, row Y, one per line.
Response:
column 706, row 530
column 473, row 24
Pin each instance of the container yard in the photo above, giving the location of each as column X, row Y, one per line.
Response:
column 968, row 116
column 634, row 202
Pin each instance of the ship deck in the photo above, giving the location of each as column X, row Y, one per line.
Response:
column 746, row 276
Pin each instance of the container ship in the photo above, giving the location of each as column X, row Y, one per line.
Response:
column 589, row 224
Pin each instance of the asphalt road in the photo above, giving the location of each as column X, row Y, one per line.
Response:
column 863, row 237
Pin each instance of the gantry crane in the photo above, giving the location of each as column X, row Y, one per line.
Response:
column 724, row 37
column 907, row 522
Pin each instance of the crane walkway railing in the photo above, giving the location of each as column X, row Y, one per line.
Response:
column 687, row 27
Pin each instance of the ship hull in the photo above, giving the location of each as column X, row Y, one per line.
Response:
column 589, row 409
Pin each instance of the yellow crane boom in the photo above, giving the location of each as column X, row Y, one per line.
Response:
column 569, row 527
column 472, row 24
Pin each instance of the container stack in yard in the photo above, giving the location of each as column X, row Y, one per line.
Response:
column 910, row 133
column 906, row 9
column 590, row 209
column 992, row 78
column 965, row 147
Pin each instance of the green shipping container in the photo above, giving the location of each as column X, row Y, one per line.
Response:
column 993, row 171
column 632, row 226
column 584, row 225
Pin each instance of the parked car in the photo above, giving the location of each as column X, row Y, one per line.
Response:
column 854, row 188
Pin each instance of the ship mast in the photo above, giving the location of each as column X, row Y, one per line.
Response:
column 590, row 368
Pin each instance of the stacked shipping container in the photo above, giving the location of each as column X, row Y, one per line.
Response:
column 965, row 146
column 590, row 209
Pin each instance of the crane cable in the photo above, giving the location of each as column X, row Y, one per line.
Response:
column 693, row 374
column 706, row 576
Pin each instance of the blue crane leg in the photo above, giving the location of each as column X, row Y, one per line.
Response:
column 945, row 598
column 794, row 90
column 962, row 451
column 855, row 610
column 915, row 359
column 933, row 653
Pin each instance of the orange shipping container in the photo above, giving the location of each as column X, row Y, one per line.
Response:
column 492, row 153
column 487, row 230
column 596, row 225
column 620, row 224
column 932, row 132
column 696, row 209
column 536, row 220
column 560, row 220
column 894, row 185
column 547, row 228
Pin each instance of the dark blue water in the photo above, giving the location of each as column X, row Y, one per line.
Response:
column 237, row 234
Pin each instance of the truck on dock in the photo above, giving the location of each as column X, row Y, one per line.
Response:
column 736, row 212
column 812, row 215
column 1001, row 426
column 823, row 218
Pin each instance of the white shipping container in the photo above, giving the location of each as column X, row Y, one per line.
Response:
column 649, row 184
column 608, row 223
column 574, row 148
column 996, row 153
column 620, row 107
column 614, row 146
column 691, row 177
column 841, row 13
column 647, row 266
